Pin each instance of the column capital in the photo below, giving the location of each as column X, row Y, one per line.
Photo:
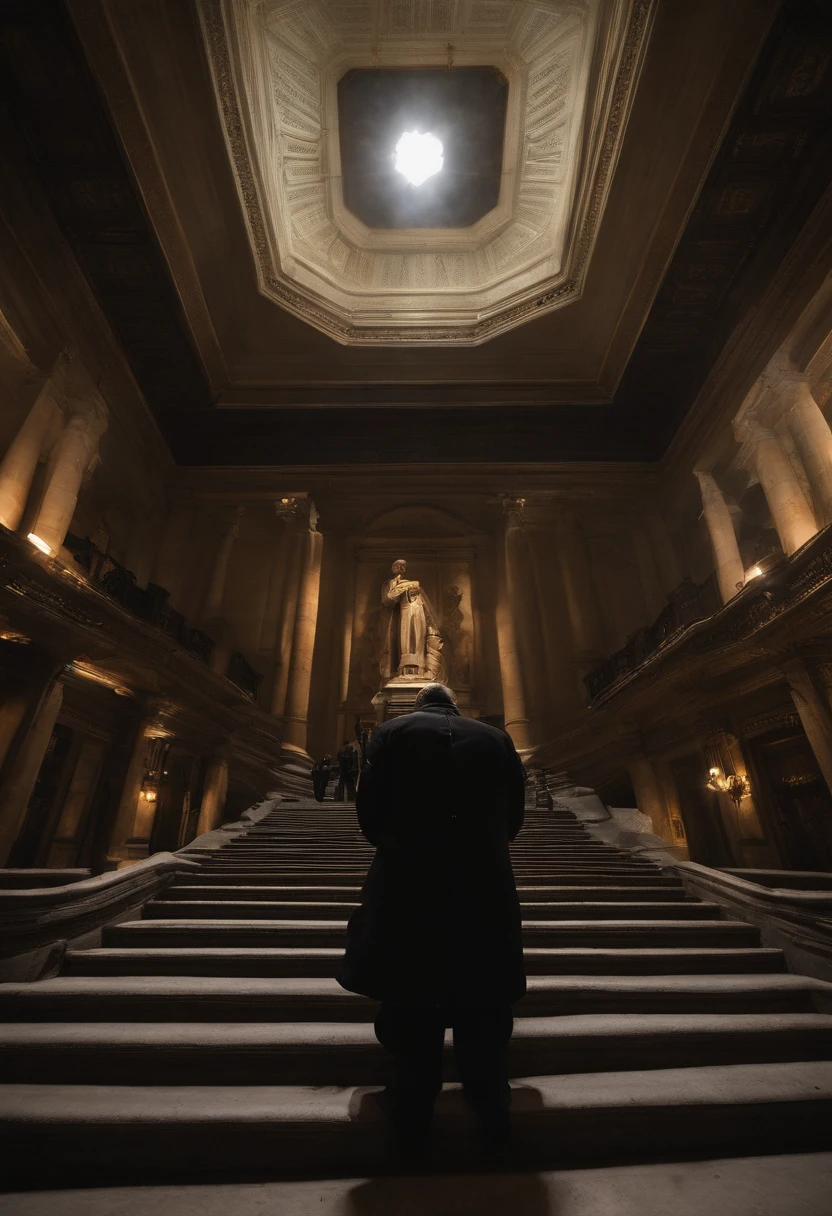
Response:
column 512, row 505
column 299, row 509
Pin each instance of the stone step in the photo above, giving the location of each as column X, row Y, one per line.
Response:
column 325, row 961
column 245, row 909
column 259, row 878
column 223, row 932
column 521, row 873
column 93, row 1133
column 322, row 894
column 217, row 999
column 347, row 1053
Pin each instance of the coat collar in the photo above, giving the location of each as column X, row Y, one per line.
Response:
column 438, row 709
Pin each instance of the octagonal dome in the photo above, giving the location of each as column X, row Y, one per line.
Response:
column 570, row 67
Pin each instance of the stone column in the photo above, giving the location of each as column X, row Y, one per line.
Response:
column 270, row 621
column 24, row 760
column 283, row 649
column 215, row 790
column 814, row 711
column 651, row 584
column 73, row 453
column 28, row 447
column 343, row 728
column 813, row 439
column 730, row 572
column 792, row 515
column 118, row 854
column 663, row 549
column 303, row 640
column 215, row 594
column 588, row 645
column 171, row 557
column 509, row 590
column 650, row 799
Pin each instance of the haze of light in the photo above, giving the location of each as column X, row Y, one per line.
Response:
column 418, row 156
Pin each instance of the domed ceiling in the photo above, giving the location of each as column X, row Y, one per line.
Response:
column 529, row 101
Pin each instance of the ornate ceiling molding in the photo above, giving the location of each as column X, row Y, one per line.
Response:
column 572, row 66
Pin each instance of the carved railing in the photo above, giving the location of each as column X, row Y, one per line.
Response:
column 696, row 624
column 690, row 602
column 148, row 603
column 241, row 673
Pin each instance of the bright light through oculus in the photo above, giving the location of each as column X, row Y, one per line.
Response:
column 418, row 156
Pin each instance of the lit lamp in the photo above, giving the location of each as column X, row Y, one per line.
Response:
column 39, row 544
column 735, row 786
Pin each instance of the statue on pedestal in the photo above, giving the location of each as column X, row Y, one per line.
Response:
column 411, row 640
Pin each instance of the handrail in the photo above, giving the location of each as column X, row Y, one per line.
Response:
column 41, row 915
column 782, row 896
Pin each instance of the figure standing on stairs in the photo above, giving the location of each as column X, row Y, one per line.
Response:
column 347, row 772
column 321, row 772
column 437, row 937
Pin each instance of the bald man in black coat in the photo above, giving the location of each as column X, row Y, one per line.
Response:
column 437, row 938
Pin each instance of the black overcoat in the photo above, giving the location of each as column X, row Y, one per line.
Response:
column 440, row 797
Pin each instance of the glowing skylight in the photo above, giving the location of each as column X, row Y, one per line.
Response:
column 418, row 156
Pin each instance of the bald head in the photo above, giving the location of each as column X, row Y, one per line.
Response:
column 435, row 694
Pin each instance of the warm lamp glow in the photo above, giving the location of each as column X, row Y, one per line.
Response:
column 39, row 544
column 754, row 572
column 418, row 156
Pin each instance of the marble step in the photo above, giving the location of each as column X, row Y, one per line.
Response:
column 248, row 962
column 245, row 909
column 260, row 878
column 262, row 932
column 98, row 1133
column 347, row 1053
column 218, row 999
column 324, row 894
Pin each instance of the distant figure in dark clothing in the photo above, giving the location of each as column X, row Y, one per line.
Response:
column 437, row 937
column 320, row 776
column 347, row 772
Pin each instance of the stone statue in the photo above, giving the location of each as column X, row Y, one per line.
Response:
column 411, row 641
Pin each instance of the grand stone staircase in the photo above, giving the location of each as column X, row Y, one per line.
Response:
column 209, row 1038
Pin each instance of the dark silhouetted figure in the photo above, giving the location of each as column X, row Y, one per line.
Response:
column 347, row 772
column 320, row 776
column 437, row 937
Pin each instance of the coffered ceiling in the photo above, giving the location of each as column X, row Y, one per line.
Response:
column 719, row 154
column 571, row 67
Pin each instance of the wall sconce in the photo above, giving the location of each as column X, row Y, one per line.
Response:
column 149, row 795
column 733, row 785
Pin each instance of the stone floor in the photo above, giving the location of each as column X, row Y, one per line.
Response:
column 798, row 1185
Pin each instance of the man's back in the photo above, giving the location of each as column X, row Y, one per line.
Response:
column 440, row 797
